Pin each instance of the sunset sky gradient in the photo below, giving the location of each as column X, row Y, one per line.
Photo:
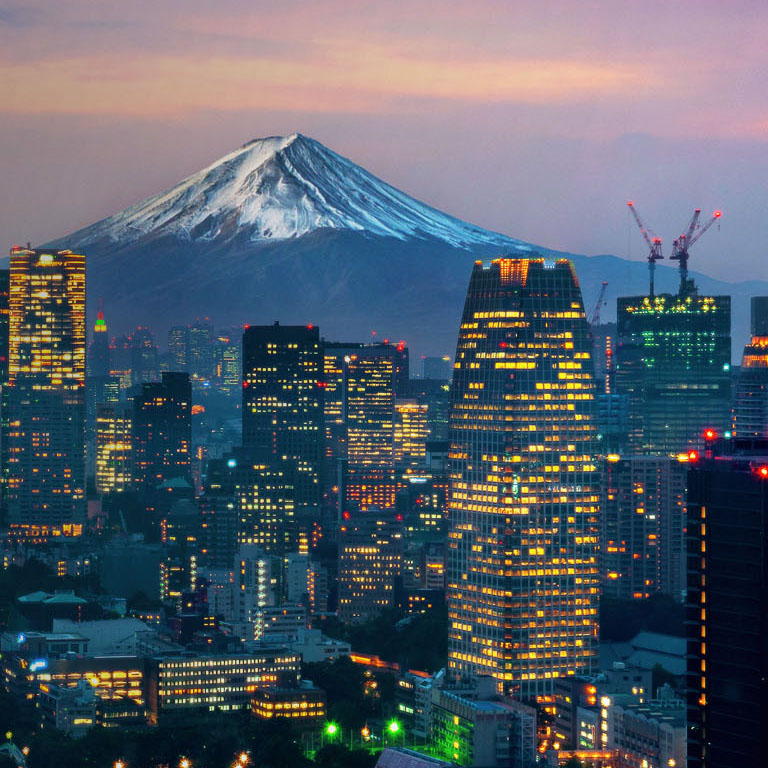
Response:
column 536, row 119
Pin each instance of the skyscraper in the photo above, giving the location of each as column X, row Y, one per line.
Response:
column 114, row 446
column 642, row 513
column 370, row 379
column 726, row 618
column 673, row 363
column 5, row 292
column 411, row 432
column 162, row 431
column 522, row 560
column 44, row 446
column 283, row 402
column 370, row 560
column 750, row 408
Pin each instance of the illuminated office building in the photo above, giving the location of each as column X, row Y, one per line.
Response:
column 642, row 513
column 178, row 339
column 5, row 292
column 673, row 363
column 114, row 447
column 226, row 363
column 727, row 654
column 45, row 439
column 522, row 559
column 370, row 377
column 370, row 559
column 220, row 682
column 162, row 431
column 411, row 433
column 264, row 496
column 283, row 402
column 98, row 351
column 750, row 408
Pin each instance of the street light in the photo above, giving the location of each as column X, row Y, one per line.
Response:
column 119, row 764
column 243, row 758
column 185, row 763
column 393, row 727
column 331, row 729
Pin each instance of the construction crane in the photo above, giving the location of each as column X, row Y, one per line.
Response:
column 594, row 318
column 653, row 242
column 683, row 244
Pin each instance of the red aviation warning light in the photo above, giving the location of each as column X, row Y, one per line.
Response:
column 693, row 455
column 710, row 434
column 762, row 471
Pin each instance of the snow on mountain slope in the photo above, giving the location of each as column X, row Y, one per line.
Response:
column 279, row 188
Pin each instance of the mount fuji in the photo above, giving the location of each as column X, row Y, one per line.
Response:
column 285, row 229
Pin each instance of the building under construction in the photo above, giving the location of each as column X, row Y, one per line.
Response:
column 673, row 356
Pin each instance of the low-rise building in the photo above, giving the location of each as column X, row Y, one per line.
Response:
column 217, row 682
column 303, row 706
column 70, row 710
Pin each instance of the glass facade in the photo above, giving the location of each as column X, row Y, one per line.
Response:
column 673, row 363
column 522, row 561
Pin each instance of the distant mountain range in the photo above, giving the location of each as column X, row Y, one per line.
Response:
column 285, row 229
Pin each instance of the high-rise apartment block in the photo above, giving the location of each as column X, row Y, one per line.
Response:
column 727, row 652
column 522, row 559
column 642, row 531
column 45, row 418
column 162, row 431
column 673, row 363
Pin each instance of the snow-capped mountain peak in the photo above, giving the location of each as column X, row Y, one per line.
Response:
column 278, row 188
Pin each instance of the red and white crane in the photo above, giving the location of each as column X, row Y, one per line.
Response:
column 653, row 242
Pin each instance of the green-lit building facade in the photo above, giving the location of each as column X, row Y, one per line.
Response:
column 673, row 364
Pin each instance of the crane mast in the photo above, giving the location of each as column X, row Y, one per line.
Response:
column 594, row 318
column 653, row 242
column 682, row 245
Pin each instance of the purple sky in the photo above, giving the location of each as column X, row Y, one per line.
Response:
column 537, row 119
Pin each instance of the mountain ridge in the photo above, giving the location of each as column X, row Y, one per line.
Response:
column 283, row 228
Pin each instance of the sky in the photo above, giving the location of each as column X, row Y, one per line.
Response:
column 535, row 119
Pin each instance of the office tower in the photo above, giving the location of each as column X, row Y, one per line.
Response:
column 98, row 351
column 727, row 687
column 369, row 416
column 114, row 447
column 120, row 361
column 673, row 363
column 200, row 349
column 5, row 292
column 162, row 431
column 438, row 368
column 226, row 363
column 402, row 368
column 178, row 339
column 642, row 530
column 522, row 560
column 218, row 515
column 283, row 402
column 370, row 559
column 750, row 408
column 436, row 395
column 45, row 442
column 144, row 365
column 411, row 433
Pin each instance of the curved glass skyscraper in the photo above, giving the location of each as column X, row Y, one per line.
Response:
column 523, row 543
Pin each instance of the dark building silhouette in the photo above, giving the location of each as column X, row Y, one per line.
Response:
column 522, row 560
column 750, row 407
column 162, row 432
column 726, row 606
